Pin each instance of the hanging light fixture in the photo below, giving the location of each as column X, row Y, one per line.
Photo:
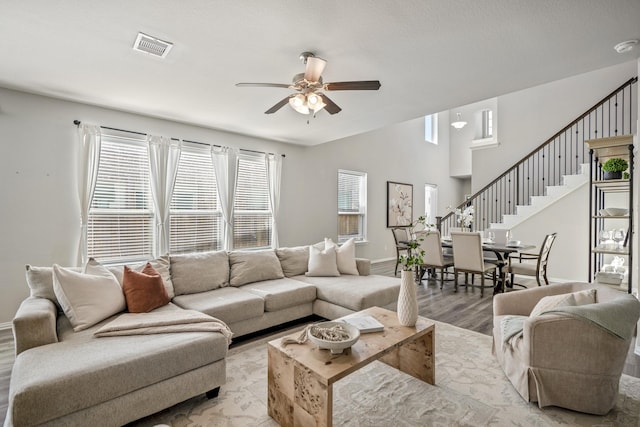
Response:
column 299, row 103
column 305, row 103
column 459, row 123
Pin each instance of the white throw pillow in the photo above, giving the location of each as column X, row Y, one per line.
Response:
column 90, row 297
column 322, row 263
column 588, row 296
column 345, row 256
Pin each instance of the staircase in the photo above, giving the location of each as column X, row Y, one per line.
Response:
column 537, row 204
column 551, row 171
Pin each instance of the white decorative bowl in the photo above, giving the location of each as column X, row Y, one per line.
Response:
column 336, row 347
column 617, row 211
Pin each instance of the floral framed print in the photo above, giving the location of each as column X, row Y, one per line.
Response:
column 399, row 204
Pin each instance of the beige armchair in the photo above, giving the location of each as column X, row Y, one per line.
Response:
column 562, row 360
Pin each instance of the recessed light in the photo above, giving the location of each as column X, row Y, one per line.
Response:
column 625, row 46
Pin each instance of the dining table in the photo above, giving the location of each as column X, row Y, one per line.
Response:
column 502, row 252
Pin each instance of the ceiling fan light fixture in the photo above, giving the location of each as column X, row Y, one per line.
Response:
column 459, row 123
column 315, row 102
column 299, row 103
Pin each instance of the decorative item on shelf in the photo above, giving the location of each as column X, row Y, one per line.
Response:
column 614, row 167
column 465, row 217
column 407, row 299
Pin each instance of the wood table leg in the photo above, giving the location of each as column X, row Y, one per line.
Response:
column 416, row 358
column 313, row 400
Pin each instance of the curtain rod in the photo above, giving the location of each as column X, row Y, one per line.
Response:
column 78, row 122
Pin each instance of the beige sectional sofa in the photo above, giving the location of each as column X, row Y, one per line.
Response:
column 64, row 377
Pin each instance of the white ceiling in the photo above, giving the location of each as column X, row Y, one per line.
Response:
column 430, row 55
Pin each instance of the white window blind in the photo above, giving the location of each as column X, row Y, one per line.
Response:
column 120, row 226
column 195, row 214
column 252, row 215
column 352, row 205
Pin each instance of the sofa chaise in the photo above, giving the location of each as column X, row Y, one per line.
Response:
column 66, row 377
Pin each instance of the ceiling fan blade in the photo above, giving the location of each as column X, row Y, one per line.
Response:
column 330, row 107
column 278, row 106
column 263, row 85
column 359, row 85
column 315, row 67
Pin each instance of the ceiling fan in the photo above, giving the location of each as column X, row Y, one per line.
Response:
column 309, row 86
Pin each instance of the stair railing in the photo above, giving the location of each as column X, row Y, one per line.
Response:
column 562, row 154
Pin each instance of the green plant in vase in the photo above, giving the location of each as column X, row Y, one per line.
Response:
column 415, row 255
column 614, row 167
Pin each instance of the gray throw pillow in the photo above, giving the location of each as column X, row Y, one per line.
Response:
column 294, row 261
column 254, row 266
column 199, row 272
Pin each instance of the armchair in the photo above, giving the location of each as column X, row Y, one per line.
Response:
column 563, row 360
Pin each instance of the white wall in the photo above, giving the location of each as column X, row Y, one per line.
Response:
column 569, row 257
column 396, row 153
column 529, row 117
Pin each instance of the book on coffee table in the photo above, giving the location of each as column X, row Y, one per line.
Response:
column 365, row 323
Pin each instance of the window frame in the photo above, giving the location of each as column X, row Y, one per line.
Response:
column 362, row 213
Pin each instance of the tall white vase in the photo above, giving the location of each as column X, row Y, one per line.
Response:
column 407, row 300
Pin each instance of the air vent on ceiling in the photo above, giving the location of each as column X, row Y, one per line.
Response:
column 152, row 45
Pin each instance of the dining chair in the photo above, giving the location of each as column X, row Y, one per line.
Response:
column 468, row 258
column 524, row 268
column 400, row 237
column 434, row 258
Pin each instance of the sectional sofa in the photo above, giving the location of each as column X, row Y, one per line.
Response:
column 66, row 377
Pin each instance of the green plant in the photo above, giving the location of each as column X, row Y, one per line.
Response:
column 615, row 164
column 625, row 175
column 415, row 256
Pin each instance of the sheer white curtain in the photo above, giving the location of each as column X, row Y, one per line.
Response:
column 225, row 166
column 88, row 162
column 274, row 173
column 164, row 156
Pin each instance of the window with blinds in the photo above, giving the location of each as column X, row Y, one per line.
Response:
column 195, row 216
column 352, row 205
column 252, row 214
column 120, row 224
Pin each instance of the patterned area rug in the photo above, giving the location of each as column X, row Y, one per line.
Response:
column 470, row 390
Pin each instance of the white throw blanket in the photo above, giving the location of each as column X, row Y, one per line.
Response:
column 163, row 321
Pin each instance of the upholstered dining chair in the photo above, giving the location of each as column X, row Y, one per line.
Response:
column 400, row 237
column 433, row 255
column 468, row 257
column 522, row 264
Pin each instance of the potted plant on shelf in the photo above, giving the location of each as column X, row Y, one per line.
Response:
column 614, row 167
column 410, row 263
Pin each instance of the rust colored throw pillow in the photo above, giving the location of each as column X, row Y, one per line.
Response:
column 143, row 291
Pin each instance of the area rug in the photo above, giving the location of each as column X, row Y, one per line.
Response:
column 470, row 390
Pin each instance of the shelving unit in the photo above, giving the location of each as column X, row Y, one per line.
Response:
column 600, row 194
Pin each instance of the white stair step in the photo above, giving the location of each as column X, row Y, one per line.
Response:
column 523, row 210
column 556, row 190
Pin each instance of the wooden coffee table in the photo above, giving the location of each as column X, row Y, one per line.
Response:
column 301, row 376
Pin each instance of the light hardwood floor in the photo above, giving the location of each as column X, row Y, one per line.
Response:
column 464, row 309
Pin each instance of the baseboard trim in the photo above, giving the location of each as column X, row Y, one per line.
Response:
column 5, row 326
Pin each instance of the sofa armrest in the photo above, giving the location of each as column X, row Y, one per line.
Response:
column 364, row 266
column 34, row 324
column 572, row 344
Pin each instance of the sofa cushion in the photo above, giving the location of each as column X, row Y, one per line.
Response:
column 282, row 293
column 161, row 264
column 254, row 266
column 355, row 292
column 71, row 371
column 294, row 261
column 588, row 296
column 199, row 272
column 322, row 263
column 227, row 304
column 345, row 256
column 89, row 297
column 144, row 291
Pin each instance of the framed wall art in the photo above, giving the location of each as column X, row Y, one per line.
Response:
column 399, row 204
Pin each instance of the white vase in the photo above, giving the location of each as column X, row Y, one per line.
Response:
column 407, row 300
